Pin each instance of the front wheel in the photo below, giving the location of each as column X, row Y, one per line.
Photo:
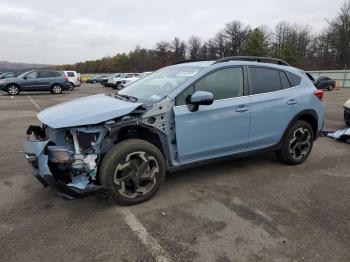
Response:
column 56, row 89
column 297, row 144
column 133, row 171
column 13, row 90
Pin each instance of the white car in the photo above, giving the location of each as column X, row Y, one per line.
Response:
column 145, row 74
column 112, row 80
column 125, row 79
column 73, row 78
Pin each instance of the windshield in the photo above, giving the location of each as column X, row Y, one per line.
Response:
column 156, row 86
column 22, row 75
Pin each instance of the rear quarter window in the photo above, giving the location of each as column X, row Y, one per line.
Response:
column 294, row 79
column 70, row 74
column 284, row 80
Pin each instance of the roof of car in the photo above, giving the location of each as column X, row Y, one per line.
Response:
column 197, row 63
column 237, row 62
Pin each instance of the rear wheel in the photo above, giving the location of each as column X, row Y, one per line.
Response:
column 347, row 116
column 297, row 144
column 330, row 87
column 13, row 90
column 71, row 86
column 56, row 89
column 133, row 170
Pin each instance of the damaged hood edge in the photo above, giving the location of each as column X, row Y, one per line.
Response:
column 88, row 110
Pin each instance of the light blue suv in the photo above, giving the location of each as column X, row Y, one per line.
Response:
column 179, row 116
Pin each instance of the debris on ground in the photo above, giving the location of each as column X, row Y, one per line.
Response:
column 341, row 135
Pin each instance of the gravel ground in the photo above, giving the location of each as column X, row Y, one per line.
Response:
column 252, row 209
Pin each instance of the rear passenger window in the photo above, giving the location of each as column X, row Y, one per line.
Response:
column 265, row 80
column 45, row 74
column 295, row 80
column 284, row 80
column 70, row 74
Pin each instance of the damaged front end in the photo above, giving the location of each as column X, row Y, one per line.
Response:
column 66, row 158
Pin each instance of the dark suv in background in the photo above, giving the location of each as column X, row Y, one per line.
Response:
column 36, row 80
column 7, row 75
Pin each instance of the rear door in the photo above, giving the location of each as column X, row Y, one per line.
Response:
column 218, row 129
column 45, row 80
column 274, row 103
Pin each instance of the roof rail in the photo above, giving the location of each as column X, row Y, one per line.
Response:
column 191, row 61
column 253, row 59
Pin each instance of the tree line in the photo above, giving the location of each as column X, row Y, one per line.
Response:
column 297, row 44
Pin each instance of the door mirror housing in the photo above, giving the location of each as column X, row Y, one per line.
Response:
column 200, row 98
column 25, row 77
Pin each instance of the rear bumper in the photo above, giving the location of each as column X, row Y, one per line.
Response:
column 35, row 155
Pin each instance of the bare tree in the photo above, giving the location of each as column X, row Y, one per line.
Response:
column 236, row 35
column 162, row 50
column 193, row 47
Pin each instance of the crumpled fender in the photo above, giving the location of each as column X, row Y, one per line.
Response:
column 37, row 148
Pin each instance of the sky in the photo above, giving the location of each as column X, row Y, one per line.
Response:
column 62, row 32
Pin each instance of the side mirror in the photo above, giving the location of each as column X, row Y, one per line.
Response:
column 200, row 98
column 25, row 78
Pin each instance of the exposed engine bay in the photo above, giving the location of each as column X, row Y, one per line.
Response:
column 70, row 155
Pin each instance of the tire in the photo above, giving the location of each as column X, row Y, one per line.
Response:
column 13, row 90
column 297, row 144
column 56, row 89
column 330, row 87
column 120, row 171
column 71, row 87
column 347, row 117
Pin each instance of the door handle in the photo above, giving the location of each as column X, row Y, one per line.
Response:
column 292, row 101
column 241, row 109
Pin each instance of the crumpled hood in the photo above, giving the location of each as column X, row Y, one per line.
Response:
column 86, row 111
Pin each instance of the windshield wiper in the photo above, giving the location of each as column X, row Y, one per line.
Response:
column 126, row 97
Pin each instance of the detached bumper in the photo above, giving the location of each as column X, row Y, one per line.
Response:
column 35, row 155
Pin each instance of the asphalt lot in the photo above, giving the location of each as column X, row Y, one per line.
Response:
column 253, row 209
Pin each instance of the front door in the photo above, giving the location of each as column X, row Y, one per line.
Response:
column 29, row 81
column 218, row 129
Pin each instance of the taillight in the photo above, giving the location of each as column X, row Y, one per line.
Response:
column 65, row 78
column 319, row 94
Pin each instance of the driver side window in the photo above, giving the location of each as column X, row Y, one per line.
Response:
column 223, row 83
column 31, row 75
